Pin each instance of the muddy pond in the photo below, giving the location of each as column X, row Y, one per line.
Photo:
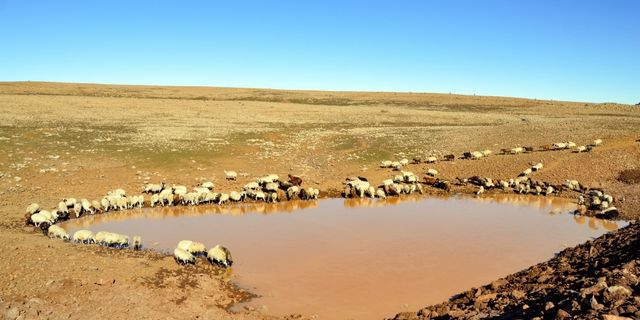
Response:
column 364, row 259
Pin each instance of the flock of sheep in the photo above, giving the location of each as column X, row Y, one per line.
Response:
column 270, row 188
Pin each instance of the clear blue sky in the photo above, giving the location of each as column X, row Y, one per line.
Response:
column 553, row 49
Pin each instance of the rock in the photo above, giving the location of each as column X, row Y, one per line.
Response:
column 517, row 294
column 498, row 283
column 618, row 292
column 613, row 317
column 594, row 304
column 561, row 314
column 601, row 285
column 548, row 306
column 487, row 297
column 11, row 314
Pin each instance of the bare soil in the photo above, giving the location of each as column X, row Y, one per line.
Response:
column 81, row 140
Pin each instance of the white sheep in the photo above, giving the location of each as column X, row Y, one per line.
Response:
column 207, row 184
column 404, row 161
column 314, row 193
column 571, row 145
column 386, row 164
column 33, row 208
column 230, row 175
column 86, row 206
column 180, row 190
column 153, row 187
column 192, row 247
column 38, row 218
column 486, row 152
column 251, row 186
column 549, row 191
column 517, row 150
column 183, row 257
column 480, row 191
column 220, row 256
column 70, row 202
column 137, row 242
column 398, row 178
column 104, row 204
column 371, row 192
column 292, row 192
column 432, row 172
column 271, row 187
column 597, row 142
column 83, row 236
column 431, row 160
column 272, row 197
column 559, row 145
column 224, row 198
column 526, row 172
column 236, row 196
column 381, row 194
column 211, row 197
column 155, row 199
column 58, row 232
column 475, row 155
column 260, row 196
column 580, row 149
column 396, row 165
column 62, row 207
column 387, row 182
column 537, row 167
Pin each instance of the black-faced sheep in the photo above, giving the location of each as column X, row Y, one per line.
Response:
column 221, row 256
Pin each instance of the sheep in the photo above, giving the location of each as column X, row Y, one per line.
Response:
column 152, row 187
column 503, row 184
column 572, row 185
column 260, row 196
column 580, row 200
column 526, row 172
column 230, row 175
column 580, row 149
column 33, row 208
column 596, row 142
column 192, row 247
column 559, row 145
column 86, row 206
column 220, row 256
column 549, row 191
column 212, row 197
column 393, row 189
column 83, row 236
column 432, row 160
column 77, row 208
column 432, row 172
column 179, row 190
column 449, row 157
column 313, row 193
column 155, row 199
column 272, row 197
column 104, row 204
column 404, row 162
column 271, row 186
column 480, row 191
column 517, row 150
column 183, row 257
column 251, row 186
column 538, row 190
column 537, row 167
column 38, row 219
column 571, row 145
column 236, row 196
column 295, row 180
column 486, row 152
column 69, row 202
column 190, row 198
column 117, row 193
column 443, row 184
column 396, row 165
column 58, row 232
column 381, row 194
column 475, row 155
column 95, row 205
column 224, row 198
column 122, row 203
column 62, row 207
column 207, row 184
column 386, row 164
column 166, row 198
column 137, row 242
column 398, row 178
column 371, row 192
column 292, row 192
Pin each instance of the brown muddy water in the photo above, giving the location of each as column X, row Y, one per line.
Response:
column 364, row 259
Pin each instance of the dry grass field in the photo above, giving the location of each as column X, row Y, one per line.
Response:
column 61, row 140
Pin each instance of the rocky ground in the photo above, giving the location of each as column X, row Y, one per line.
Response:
column 67, row 140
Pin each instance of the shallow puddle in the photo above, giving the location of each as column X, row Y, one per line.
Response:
column 365, row 259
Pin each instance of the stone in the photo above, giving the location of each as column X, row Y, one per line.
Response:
column 517, row 294
column 561, row 314
column 498, row 283
column 11, row 314
column 548, row 306
column 613, row 317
